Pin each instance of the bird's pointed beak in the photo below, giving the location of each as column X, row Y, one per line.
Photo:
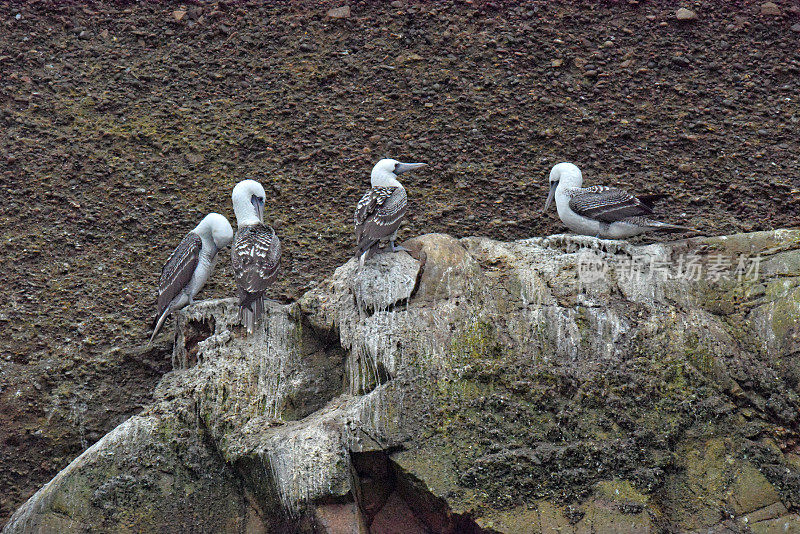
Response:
column 400, row 168
column 550, row 195
column 258, row 204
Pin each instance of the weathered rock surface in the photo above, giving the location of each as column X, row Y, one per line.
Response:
column 474, row 386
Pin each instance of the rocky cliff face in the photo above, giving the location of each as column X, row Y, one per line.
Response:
column 474, row 386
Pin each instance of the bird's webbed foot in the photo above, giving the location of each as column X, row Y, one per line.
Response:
column 396, row 248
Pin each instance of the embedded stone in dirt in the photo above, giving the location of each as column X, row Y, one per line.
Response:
column 769, row 8
column 339, row 12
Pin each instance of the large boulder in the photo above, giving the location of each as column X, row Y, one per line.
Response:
column 153, row 473
column 474, row 386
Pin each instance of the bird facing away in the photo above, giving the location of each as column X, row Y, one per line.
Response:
column 602, row 211
column 381, row 210
column 190, row 265
column 255, row 253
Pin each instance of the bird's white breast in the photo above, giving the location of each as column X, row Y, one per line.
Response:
column 577, row 223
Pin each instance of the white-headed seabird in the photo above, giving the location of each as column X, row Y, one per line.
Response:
column 190, row 265
column 381, row 210
column 255, row 253
column 602, row 211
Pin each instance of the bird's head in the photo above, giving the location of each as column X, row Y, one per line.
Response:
column 384, row 173
column 221, row 230
column 567, row 174
column 248, row 202
column 217, row 228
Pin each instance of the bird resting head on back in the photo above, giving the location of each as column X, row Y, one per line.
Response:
column 218, row 228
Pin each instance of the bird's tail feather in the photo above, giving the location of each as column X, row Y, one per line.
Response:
column 364, row 255
column 652, row 198
column 666, row 227
column 159, row 324
column 365, row 246
column 251, row 314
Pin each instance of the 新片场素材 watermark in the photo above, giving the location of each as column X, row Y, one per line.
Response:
column 691, row 267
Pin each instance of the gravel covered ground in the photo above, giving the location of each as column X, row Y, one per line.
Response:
column 124, row 123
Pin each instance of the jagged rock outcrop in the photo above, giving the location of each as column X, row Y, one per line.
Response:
column 474, row 386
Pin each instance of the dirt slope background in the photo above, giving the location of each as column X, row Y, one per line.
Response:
column 123, row 123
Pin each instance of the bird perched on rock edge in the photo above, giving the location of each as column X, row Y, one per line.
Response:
column 381, row 210
column 255, row 253
column 190, row 265
column 602, row 211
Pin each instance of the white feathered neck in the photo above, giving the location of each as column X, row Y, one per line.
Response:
column 567, row 175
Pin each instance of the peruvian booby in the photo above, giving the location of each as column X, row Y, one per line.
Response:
column 255, row 253
column 602, row 211
column 190, row 265
column 381, row 210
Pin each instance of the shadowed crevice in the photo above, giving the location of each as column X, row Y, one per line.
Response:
column 197, row 330
column 392, row 500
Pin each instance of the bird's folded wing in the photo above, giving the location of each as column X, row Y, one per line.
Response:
column 178, row 270
column 607, row 204
column 368, row 204
column 379, row 214
column 255, row 255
